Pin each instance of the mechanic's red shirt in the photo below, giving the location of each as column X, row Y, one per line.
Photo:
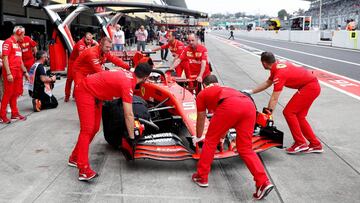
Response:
column 91, row 60
column 285, row 73
column 195, row 56
column 210, row 97
column 12, row 49
column 176, row 47
column 26, row 47
column 79, row 47
column 108, row 85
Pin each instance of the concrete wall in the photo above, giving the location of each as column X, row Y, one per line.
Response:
column 311, row 37
column 343, row 39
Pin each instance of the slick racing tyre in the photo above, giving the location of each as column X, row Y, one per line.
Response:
column 114, row 126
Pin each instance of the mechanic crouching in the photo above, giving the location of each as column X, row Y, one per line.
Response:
column 221, row 101
column 102, row 86
column 41, row 84
column 286, row 74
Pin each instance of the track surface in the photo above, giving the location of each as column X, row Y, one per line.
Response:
column 340, row 61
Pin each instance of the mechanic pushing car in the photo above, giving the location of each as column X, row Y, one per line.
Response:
column 92, row 59
column 221, row 101
column 85, row 43
column 12, row 72
column 197, row 57
column 94, row 89
column 29, row 49
column 286, row 74
column 176, row 47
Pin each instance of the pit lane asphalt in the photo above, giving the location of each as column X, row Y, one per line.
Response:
column 341, row 61
column 34, row 154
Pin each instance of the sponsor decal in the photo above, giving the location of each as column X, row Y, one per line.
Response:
column 198, row 54
column 280, row 66
column 189, row 105
column 192, row 116
column 159, row 149
column 159, row 140
column 161, row 135
column 15, row 46
column 18, row 53
column 189, row 54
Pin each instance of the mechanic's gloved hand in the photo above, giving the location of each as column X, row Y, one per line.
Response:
column 197, row 139
column 266, row 110
column 248, row 91
column 132, row 141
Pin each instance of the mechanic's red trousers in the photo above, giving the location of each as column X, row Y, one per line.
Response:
column 183, row 66
column 89, row 111
column 238, row 113
column 69, row 80
column 12, row 90
column 296, row 111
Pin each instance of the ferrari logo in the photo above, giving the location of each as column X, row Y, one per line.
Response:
column 142, row 91
column 189, row 54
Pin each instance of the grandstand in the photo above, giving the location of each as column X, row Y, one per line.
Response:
column 335, row 13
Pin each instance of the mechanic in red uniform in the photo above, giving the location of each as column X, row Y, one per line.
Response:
column 29, row 49
column 12, row 72
column 197, row 58
column 286, row 74
column 92, row 59
column 221, row 101
column 86, row 42
column 176, row 47
column 98, row 87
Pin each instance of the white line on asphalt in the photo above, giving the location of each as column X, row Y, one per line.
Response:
column 301, row 52
column 305, row 44
column 324, row 83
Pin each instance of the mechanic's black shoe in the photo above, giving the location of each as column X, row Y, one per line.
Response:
column 87, row 174
column 200, row 181
column 262, row 191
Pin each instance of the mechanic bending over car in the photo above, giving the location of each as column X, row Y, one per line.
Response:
column 90, row 93
column 85, row 43
column 287, row 74
column 221, row 101
column 176, row 47
column 197, row 57
column 92, row 59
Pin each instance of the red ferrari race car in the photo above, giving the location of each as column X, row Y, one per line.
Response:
column 166, row 118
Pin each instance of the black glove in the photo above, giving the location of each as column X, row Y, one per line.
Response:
column 267, row 111
column 132, row 142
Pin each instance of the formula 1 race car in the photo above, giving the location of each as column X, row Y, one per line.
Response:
column 165, row 112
